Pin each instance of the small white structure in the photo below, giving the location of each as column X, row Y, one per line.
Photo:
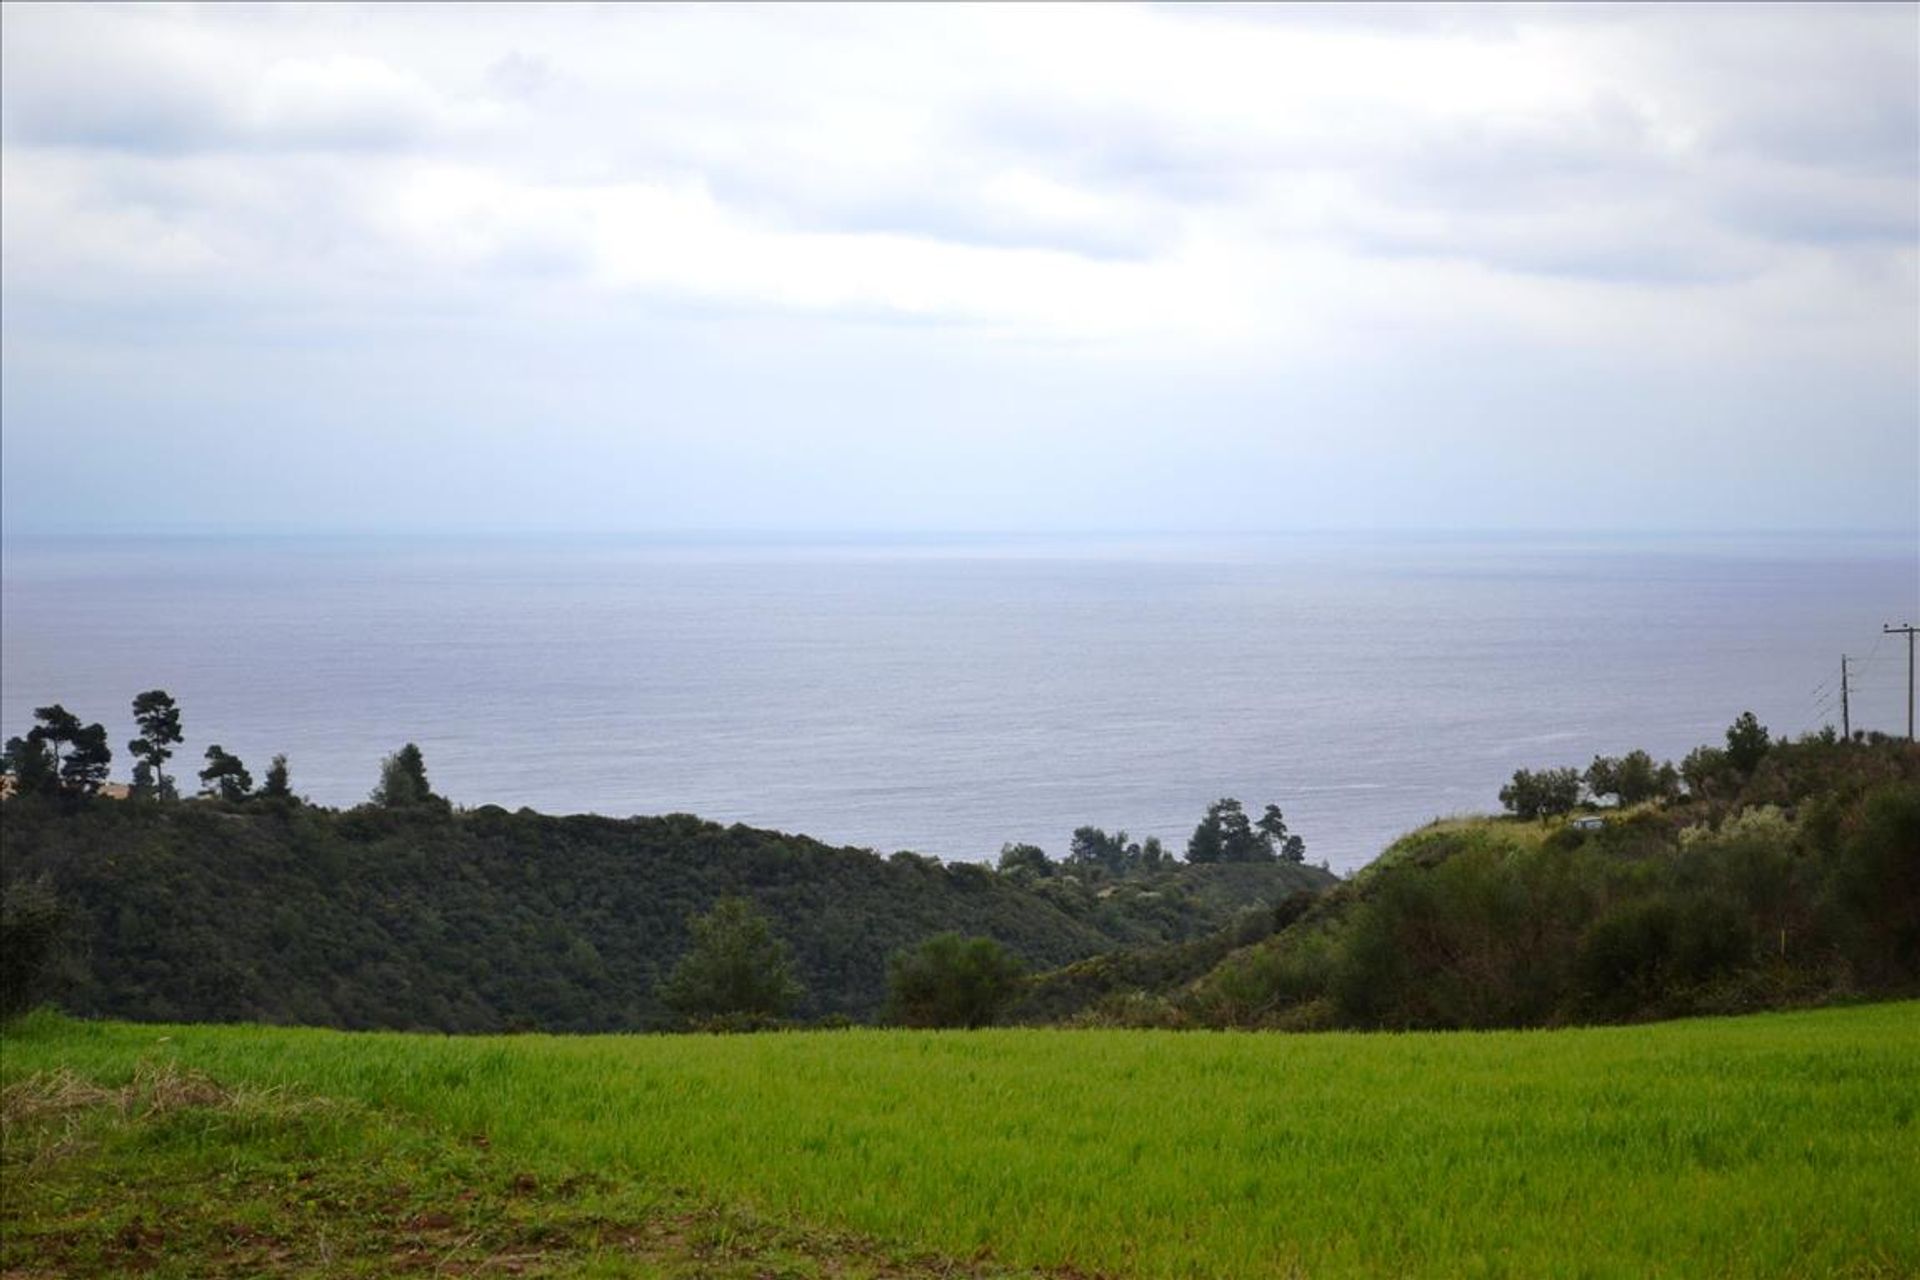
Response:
column 1590, row 822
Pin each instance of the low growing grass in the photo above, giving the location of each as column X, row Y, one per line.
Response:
column 1775, row 1145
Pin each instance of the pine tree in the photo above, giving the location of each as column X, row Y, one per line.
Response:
column 159, row 719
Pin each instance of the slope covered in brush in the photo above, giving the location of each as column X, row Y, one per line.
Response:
column 482, row 920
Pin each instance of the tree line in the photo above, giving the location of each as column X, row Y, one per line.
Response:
column 61, row 758
column 1635, row 779
column 1224, row 835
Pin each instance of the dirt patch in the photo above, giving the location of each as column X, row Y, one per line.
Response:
column 154, row 1089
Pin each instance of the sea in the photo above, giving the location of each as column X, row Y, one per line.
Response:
column 948, row 695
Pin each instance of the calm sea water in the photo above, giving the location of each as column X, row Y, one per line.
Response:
column 947, row 696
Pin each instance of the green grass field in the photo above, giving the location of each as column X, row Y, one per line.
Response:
column 1776, row 1145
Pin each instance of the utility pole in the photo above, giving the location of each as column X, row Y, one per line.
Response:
column 1846, row 721
column 1909, row 630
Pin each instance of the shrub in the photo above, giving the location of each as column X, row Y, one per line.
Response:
column 738, row 975
column 31, row 924
column 951, row 981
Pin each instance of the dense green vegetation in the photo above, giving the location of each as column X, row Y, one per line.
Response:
column 407, row 912
column 1129, row 986
column 1785, row 873
column 1774, row 1145
column 736, row 968
column 1790, row 874
column 951, row 981
column 421, row 916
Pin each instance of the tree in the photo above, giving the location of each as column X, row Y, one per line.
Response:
column 81, row 768
column 1632, row 778
column 58, row 727
column 735, row 968
column 1666, row 781
column 31, row 766
column 1094, row 849
column 1704, row 770
column 1637, row 779
column 85, row 769
column 1541, row 795
column 951, row 981
column 225, row 776
column 403, row 780
column 276, row 786
column 1225, row 835
column 1603, row 777
column 159, row 719
column 1747, row 742
column 1273, row 826
column 1028, row 858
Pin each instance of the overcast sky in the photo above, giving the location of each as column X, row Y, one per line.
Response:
column 970, row 268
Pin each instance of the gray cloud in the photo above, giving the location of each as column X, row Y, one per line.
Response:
column 974, row 267
column 124, row 80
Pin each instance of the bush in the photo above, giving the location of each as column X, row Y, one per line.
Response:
column 950, row 981
column 32, row 922
column 738, row 976
column 1874, row 894
column 1542, row 794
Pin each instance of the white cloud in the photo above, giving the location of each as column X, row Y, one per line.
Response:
column 1256, row 195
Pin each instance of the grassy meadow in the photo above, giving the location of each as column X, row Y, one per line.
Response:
column 1779, row 1145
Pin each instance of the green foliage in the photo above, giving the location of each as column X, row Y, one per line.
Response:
column 1092, row 848
column 158, row 718
column 951, row 981
column 1028, row 859
column 478, row 920
column 1635, row 955
column 1699, row 907
column 1287, row 847
column 85, row 768
column 1747, row 744
column 1632, row 779
column 1094, row 852
column 736, row 968
column 1707, row 773
column 277, row 787
column 58, row 727
column 225, row 778
column 32, row 922
column 1130, row 987
column 1154, row 856
column 1225, row 835
column 1873, row 897
column 403, row 781
column 59, row 756
column 1543, row 794
column 31, row 765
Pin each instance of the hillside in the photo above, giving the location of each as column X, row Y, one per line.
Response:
column 489, row 920
column 1796, row 883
